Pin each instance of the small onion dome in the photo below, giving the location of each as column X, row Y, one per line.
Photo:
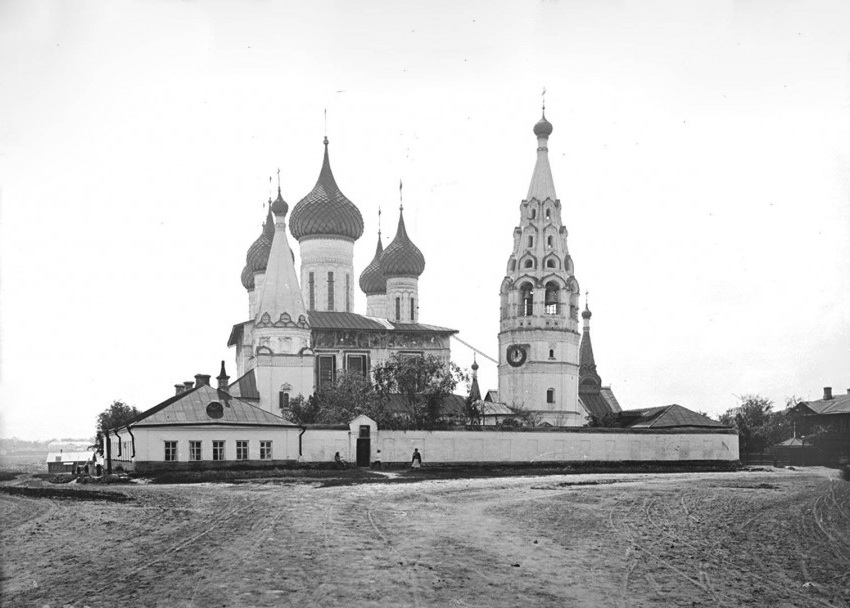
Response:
column 257, row 257
column 586, row 314
column 401, row 257
column 372, row 280
column 326, row 211
column 543, row 128
column 279, row 206
column 247, row 278
column 474, row 365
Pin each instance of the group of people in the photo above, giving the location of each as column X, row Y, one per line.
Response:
column 415, row 462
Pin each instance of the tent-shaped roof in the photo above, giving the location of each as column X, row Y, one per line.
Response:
column 206, row 405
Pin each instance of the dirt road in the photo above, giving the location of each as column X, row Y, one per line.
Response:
column 773, row 538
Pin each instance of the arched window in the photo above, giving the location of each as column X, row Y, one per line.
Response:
column 551, row 298
column 550, row 263
column 549, row 241
column 330, row 290
column 548, row 213
column 551, row 353
column 526, row 294
column 531, row 241
column 529, row 263
column 532, row 213
column 312, row 282
column 550, row 395
column 412, row 309
column 398, row 309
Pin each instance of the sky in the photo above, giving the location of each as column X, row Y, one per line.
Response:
column 700, row 152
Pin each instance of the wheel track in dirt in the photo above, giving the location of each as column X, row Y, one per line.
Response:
column 409, row 571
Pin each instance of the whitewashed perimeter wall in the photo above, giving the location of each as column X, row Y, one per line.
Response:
column 486, row 446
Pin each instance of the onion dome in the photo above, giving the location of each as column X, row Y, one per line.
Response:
column 474, row 365
column 372, row 279
column 586, row 314
column 279, row 206
column 543, row 128
column 326, row 212
column 258, row 253
column 401, row 257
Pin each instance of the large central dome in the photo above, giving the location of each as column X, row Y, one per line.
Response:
column 326, row 212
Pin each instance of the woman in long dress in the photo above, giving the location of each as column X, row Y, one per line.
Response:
column 417, row 459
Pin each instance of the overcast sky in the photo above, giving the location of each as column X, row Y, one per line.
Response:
column 700, row 151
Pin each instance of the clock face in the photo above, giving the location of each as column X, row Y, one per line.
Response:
column 516, row 355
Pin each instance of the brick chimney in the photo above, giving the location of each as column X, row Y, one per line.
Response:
column 223, row 378
column 188, row 385
column 179, row 388
column 827, row 393
column 202, row 380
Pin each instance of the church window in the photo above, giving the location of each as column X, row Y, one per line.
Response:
column 532, row 213
column 513, row 265
column 347, row 293
column 357, row 363
column 265, row 450
column 551, row 353
column 283, row 400
column 548, row 214
column 330, row 291
column 312, row 282
column 412, row 309
column 529, row 263
column 552, row 298
column 549, row 241
column 241, row 449
column 531, row 241
column 326, row 371
column 550, row 395
column 218, row 450
column 550, row 263
column 194, row 450
column 170, row 451
column 398, row 309
column 527, row 299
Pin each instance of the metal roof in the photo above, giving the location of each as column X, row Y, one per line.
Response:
column 245, row 387
column 206, row 405
column 351, row 320
column 70, row 456
column 595, row 404
column 839, row 404
column 667, row 416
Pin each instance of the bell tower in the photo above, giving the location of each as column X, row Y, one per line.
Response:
column 538, row 328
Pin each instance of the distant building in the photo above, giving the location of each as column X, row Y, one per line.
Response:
column 824, row 425
column 69, row 462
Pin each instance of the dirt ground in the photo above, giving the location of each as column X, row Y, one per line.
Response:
column 755, row 538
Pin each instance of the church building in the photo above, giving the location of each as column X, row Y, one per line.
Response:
column 300, row 335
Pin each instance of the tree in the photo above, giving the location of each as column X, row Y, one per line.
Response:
column 117, row 414
column 759, row 427
column 302, row 411
column 424, row 384
column 521, row 417
column 609, row 420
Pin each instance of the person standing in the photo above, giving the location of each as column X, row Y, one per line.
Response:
column 416, row 462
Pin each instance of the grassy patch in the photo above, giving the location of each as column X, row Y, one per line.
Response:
column 64, row 494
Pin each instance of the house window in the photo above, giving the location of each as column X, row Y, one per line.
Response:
column 242, row 450
column 283, row 400
column 265, row 450
column 550, row 395
column 330, row 291
column 170, row 451
column 527, row 299
column 398, row 309
column 312, row 281
column 218, row 450
column 531, row 241
column 412, row 309
column 357, row 364
column 194, row 450
column 347, row 293
column 326, row 370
